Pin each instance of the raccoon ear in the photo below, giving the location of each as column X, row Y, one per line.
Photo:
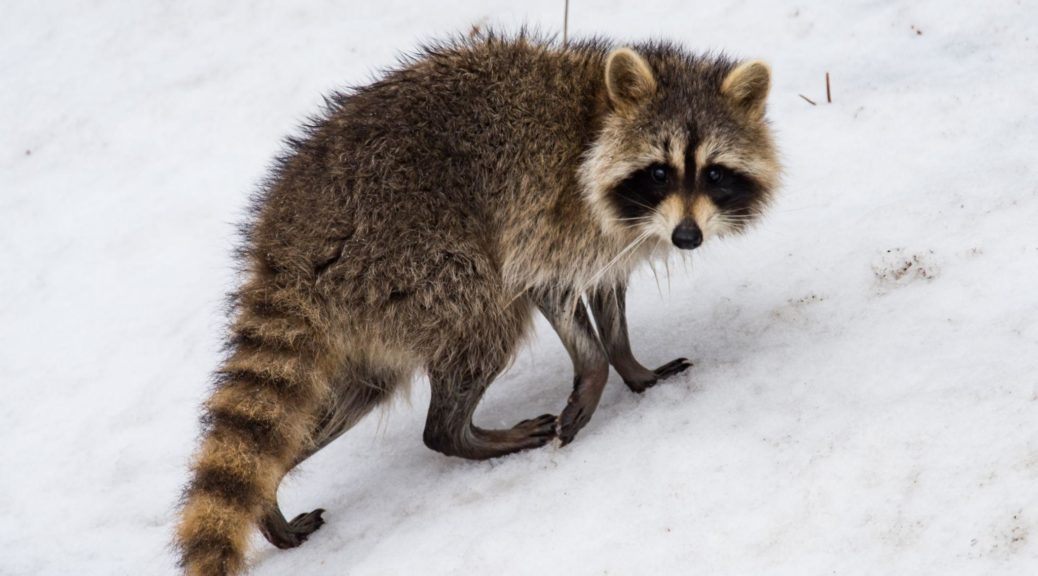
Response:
column 747, row 86
column 628, row 78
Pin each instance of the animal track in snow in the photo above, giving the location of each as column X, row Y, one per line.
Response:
column 897, row 267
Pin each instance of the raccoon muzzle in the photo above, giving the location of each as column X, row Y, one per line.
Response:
column 687, row 235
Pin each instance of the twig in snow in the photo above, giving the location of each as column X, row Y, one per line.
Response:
column 809, row 101
column 828, row 92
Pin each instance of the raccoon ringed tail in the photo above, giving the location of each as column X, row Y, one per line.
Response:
column 258, row 421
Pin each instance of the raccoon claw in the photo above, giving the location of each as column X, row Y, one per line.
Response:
column 573, row 418
column 536, row 431
column 307, row 523
column 662, row 373
column 671, row 368
column 286, row 535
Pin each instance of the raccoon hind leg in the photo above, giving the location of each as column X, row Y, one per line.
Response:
column 355, row 394
column 287, row 534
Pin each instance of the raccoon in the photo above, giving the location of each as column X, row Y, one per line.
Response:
column 420, row 222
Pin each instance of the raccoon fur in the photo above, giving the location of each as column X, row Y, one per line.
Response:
column 422, row 219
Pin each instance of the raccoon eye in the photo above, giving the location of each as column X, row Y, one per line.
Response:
column 715, row 174
column 659, row 174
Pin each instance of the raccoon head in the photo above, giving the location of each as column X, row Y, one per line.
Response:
column 684, row 152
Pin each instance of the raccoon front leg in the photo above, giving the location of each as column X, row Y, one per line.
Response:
column 569, row 318
column 609, row 306
column 457, row 389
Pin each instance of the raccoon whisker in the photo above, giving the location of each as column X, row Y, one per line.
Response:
column 652, row 266
column 666, row 266
column 653, row 211
column 749, row 215
column 712, row 217
column 656, row 277
column 517, row 295
column 736, row 222
column 638, row 219
column 737, row 217
column 634, row 244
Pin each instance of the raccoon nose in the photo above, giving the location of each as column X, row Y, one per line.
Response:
column 687, row 235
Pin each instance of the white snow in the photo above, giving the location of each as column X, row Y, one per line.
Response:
column 865, row 392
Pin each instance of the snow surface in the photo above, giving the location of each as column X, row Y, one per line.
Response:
column 865, row 394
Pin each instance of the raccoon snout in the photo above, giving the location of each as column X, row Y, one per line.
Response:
column 687, row 235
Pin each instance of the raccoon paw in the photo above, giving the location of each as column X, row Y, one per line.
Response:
column 662, row 373
column 536, row 431
column 671, row 368
column 294, row 533
column 307, row 523
column 574, row 417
